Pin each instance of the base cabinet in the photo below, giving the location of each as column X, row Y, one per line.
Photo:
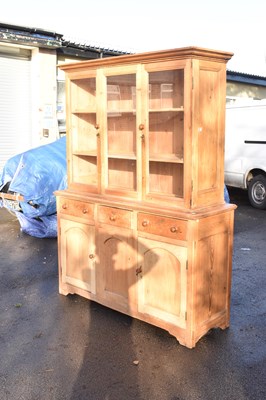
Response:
column 178, row 280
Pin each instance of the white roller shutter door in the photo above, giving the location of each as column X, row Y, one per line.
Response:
column 15, row 107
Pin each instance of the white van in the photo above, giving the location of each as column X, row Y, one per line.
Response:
column 245, row 148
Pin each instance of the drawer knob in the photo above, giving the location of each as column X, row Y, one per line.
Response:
column 145, row 222
column 85, row 211
column 141, row 127
column 64, row 206
column 91, row 256
column 173, row 229
column 112, row 217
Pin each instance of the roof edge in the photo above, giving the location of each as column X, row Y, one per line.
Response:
column 242, row 77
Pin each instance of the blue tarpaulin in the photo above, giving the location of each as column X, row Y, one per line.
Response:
column 36, row 174
column 41, row 227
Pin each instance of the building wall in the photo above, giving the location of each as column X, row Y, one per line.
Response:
column 237, row 89
column 15, row 102
column 43, row 91
column 40, row 101
column 44, row 96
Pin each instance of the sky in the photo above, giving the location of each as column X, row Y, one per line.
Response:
column 237, row 26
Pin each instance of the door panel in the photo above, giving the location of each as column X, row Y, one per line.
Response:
column 117, row 265
column 162, row 280
column 78, row 254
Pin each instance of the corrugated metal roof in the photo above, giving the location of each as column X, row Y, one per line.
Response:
column 242, row 77
column 43, row 38
column 86, row 51
column 30, row 36
column 19, row 28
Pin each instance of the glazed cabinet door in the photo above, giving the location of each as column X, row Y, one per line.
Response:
column 162, row 281
column 83, row 133
column 116, row 268
column 77, row 253
column 144, row 124
column 121, row 143
column 164, row 132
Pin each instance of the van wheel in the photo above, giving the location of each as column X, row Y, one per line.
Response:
column 257, row 192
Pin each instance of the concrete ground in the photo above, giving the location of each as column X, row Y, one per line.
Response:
column 67, row 348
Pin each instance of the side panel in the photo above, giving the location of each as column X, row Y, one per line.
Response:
column 212, row 273
column 208, row 133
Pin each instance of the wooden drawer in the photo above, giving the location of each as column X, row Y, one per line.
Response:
column 76, row 208
column 162, row 226
column 114, row 216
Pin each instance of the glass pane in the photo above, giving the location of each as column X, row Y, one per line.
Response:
column 122, row 134
column 122, row 174
column 85, row 170
column 83, row 95
column 166, row 89
column 166, row 178
column 166, row 132
column 121, row 131
column 84, row 139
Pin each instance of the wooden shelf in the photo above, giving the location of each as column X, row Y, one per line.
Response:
column 111, row 113
column 166, row 158
column 84, row 153
column 122, row 156
column 155, row 110
column 85, row 111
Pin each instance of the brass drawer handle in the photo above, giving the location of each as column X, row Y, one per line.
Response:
column 64, row 206
column 112, row 217
column 174, row 229
column 91, row 256
column 145, row 222
column 85, row 211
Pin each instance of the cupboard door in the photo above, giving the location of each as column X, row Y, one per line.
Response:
column 162, row 281
column 78, row 254
column 165, row 141
column 117, row 266
column 83, row 132
column 121, row 145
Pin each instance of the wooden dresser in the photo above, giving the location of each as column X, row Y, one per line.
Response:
column 143, row 226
